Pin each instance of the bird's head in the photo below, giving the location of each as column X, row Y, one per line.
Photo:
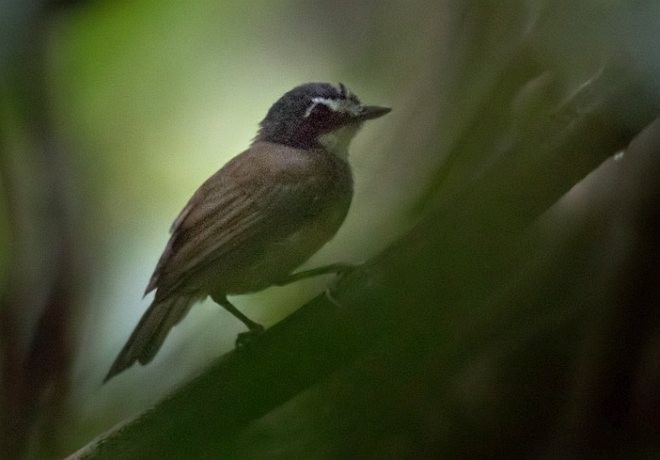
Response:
column 317, row 115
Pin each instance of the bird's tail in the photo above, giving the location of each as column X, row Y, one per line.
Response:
column 150, row 333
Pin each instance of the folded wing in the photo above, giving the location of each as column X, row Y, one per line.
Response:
column 262, row 195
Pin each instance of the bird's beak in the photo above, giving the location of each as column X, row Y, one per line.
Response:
column 369, row 112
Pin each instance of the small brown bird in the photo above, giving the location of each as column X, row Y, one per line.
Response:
column 259, row 217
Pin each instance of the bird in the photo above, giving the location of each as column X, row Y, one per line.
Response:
column 258, row 218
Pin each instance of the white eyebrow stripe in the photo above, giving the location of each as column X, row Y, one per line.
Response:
column 343, row 105
column 332, row 104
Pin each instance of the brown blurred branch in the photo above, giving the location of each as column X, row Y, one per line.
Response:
column 44, row 263
column 470, row 237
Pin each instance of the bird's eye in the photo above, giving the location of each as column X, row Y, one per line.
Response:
column 319, row 108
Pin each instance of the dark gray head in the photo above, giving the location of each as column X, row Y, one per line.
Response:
column 307, row 114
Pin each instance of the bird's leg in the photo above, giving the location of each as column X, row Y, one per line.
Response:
column 340, row 269
column 254, row 328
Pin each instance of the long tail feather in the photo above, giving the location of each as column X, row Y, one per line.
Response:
column 150, row 333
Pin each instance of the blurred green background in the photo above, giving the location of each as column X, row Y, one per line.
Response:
column 113, row 112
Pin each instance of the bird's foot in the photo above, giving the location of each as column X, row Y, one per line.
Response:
column 342, row 271
column 330, row 295
column 245, row 338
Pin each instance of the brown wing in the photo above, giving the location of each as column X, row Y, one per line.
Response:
column 264, row 193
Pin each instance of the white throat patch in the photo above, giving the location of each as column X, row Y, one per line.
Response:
column 337, row 142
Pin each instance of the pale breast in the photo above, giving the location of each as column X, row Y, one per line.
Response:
column 282, row 254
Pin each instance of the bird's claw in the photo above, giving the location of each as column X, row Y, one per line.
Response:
column 342, row 271
column 346, row 269
column 245, row 338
